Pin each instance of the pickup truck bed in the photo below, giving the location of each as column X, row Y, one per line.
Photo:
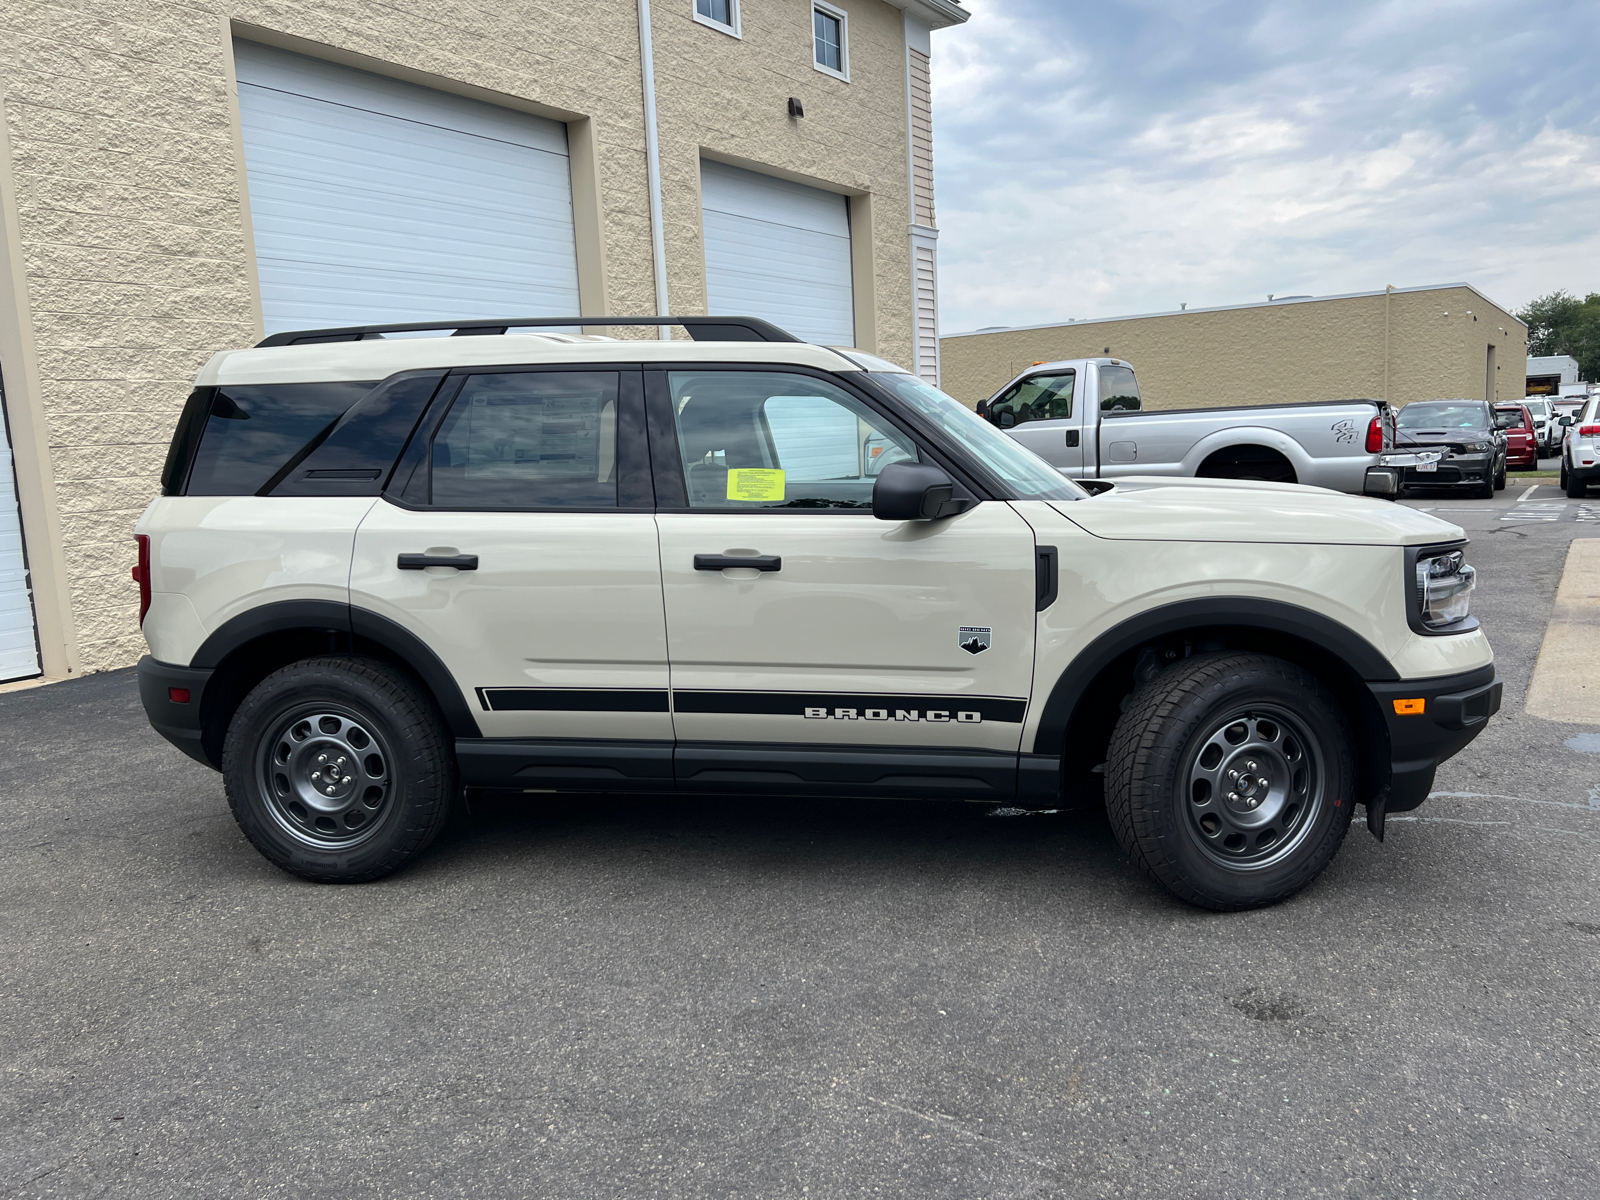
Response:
column 1082, row 416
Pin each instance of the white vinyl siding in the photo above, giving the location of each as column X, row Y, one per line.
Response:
column 921, row 131
column 780, row 251
column 379, row 201
column 19, row 645
column 927, row 283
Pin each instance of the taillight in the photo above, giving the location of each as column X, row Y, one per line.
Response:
column 1589, row 430
column 1375, row 436
column 141, row 574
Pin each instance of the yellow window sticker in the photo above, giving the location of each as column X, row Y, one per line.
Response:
column 755, row 483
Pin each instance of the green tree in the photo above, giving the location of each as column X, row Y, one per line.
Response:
column 1560, row 323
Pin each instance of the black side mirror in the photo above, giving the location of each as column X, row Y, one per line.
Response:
column 1006, row 418
column 915, row 492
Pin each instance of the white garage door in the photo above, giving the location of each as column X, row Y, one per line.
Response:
column 19, row 649
column 780, row 251
column 376, row 201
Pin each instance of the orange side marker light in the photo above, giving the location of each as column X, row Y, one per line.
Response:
column 1406, row 707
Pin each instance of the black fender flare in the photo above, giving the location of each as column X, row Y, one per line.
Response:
column 1275, row 616
column 352, row 625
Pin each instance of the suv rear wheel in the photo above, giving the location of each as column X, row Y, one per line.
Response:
column 1230, row 779
column 339, row 769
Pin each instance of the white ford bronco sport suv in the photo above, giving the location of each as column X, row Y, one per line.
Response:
column 382, row 569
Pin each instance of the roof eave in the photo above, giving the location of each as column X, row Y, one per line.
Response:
column 937, row 14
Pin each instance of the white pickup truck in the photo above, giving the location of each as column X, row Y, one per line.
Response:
column 1085, row 417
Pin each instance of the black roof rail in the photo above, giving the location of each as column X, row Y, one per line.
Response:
column 701, row 329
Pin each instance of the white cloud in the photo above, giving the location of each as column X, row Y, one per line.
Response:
column 1129, row 162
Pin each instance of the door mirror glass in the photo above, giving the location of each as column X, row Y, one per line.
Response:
column 1007, row 418
column 771, row 439
column 915, row 492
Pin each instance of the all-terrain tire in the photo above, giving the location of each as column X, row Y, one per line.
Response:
column 339, row 769
column 1158, row 761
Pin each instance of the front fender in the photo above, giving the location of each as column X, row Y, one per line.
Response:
column 1071, row 688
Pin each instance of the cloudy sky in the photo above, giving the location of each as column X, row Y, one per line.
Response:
column 1110, row 157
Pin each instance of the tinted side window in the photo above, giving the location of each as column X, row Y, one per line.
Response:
column 528, row 439
column 1037, row 398
column 769, row 439
column 1119, row 389
column 253, row 430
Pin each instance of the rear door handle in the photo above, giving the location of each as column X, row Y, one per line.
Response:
column 721, row 562
column 416, row 562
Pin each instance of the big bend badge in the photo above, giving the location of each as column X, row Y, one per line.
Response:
column 975, row 639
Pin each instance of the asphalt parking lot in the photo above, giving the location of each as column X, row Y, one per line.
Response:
column 709, row 998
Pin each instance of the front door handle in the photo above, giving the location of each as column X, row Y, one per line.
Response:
column 721, row 562
column 1072, row 438
column 417, row 562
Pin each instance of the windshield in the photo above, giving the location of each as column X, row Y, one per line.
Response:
column 1027, row 475
column 1443, row 416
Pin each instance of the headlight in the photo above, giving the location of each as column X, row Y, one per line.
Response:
column 1480, row 447
column 1444, row 588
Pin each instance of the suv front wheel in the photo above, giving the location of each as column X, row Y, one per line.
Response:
column 1230, row 779
column 339, row 769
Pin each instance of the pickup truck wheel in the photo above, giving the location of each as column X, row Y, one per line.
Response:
column 339, row 769
column 1230, row 780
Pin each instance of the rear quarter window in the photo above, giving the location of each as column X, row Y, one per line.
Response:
column 252, row 430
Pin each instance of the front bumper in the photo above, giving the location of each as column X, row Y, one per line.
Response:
column 178, row 722
column 1452, row 470
column 1454, row 709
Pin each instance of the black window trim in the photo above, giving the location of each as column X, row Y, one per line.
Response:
column 668, row 461
column 635, row 480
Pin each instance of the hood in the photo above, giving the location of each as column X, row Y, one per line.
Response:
column 1147, row 509
column 1440, row 437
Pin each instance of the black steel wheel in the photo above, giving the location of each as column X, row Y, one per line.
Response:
column 339, row 769
column 1230, row 779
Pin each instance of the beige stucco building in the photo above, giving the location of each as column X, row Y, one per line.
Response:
column 1399, row 344
column 177, row 176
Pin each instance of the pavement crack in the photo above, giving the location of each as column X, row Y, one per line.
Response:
column 941, row 1121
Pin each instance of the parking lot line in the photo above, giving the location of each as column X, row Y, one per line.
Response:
column 1532, row 488
column 1564, row 685
column 1543, row 511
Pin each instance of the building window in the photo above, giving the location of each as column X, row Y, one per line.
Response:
column 721, row 15
column 830, row 40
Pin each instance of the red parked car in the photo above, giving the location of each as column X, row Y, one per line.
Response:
column 1522, row 445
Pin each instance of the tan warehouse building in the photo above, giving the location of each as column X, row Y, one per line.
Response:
column 182, row 176
column 1400, row 344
